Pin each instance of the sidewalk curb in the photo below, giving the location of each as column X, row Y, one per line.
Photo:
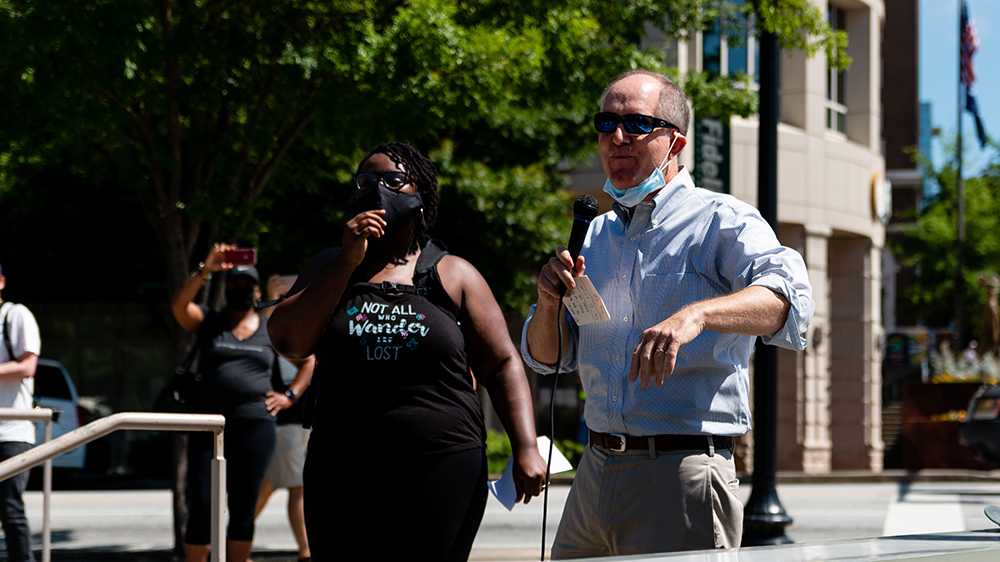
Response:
column 855, row 477
column 892, row 475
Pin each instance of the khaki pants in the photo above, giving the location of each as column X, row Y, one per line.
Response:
column 641, row 502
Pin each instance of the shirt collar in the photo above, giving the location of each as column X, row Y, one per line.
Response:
column 679, row 183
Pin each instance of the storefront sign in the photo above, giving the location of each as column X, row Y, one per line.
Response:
column 711, row 166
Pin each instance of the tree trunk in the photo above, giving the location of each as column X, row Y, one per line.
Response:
column 179, row 492
column 177, row 255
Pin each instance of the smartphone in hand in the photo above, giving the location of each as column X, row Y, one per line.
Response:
column 241, row 256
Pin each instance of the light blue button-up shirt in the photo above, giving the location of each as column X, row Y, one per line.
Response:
column 688, row 245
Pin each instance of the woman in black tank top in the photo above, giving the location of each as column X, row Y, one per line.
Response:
column 236, row 361
column 402, row 333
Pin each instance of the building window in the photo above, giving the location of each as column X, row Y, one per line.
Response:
column 836, row 107
column 670, row 55
column 743, row 50
column 711, row 50
column 731, row 51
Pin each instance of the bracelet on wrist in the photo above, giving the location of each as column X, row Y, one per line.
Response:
column 202, row 273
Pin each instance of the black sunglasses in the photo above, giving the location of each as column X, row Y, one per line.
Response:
column 392, row 180
column 635, row 123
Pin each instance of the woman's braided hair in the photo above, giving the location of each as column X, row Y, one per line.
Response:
column 422, row 174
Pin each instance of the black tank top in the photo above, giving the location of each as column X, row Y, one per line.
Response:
column 236, row 374
column 394, row 370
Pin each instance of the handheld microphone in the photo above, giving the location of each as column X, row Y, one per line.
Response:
column 584, row 211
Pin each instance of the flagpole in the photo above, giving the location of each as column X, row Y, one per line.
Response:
column 960, row 194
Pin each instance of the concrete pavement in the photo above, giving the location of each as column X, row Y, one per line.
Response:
column 97, row 525
column 822, row 512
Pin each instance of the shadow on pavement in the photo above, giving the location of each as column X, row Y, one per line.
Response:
column 115, row 554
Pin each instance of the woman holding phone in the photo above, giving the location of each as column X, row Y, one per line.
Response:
column 236, row 362
column 398, row 326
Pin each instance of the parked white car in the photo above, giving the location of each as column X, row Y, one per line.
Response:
column 54, row 389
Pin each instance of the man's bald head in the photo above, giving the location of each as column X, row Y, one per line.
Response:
column 672, row 105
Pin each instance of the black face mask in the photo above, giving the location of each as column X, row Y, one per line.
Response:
column 240, row 298
column 398, row 206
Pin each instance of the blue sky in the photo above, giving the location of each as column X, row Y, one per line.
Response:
column 939, row 74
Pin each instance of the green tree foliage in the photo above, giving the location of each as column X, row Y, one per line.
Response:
column 191, row 105
column 930, row 248
column 224, row 117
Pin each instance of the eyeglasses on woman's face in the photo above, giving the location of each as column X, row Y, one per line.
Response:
column 395, row 181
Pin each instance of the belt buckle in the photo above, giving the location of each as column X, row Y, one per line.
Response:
column 621, row 448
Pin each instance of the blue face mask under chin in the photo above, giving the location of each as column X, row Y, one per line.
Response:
column 634, row 195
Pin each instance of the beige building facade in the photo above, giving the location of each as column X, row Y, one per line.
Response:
column 832, row 208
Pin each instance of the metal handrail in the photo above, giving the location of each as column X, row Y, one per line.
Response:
column 42, row 415
column 134, row 421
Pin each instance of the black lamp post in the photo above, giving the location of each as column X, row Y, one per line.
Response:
column 764, row 518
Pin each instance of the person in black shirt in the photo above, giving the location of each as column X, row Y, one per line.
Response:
column 237, row 363
column 402, row 333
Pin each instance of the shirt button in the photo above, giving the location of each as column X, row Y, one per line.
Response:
column 625, row 319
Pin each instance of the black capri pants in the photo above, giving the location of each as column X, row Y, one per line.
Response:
column 249, row 444
column 434, row 516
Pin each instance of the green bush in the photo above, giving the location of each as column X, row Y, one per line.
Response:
column 572, row 448
column 498, row 450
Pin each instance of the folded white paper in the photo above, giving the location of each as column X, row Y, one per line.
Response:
column 585, row 303
column 503, row 489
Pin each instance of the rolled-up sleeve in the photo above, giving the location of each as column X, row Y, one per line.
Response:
column 750, row 254
column 569, row 356
column 789, row 279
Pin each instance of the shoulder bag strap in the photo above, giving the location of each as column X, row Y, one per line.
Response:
column 6, row 331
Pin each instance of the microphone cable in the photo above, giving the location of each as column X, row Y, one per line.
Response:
column 552, row 421
column 584, row 211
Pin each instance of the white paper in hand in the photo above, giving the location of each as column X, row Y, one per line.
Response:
column 504, row 490
column 586, row 304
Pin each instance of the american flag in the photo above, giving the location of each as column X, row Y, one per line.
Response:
column 970, row 43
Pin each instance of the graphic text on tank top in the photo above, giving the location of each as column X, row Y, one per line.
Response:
column 386, row 331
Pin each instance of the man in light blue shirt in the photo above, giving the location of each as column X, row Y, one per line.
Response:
column 690, row 279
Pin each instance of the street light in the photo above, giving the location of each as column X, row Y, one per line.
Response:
column 765, row 519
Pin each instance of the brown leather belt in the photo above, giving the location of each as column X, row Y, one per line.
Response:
column 619, row 443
